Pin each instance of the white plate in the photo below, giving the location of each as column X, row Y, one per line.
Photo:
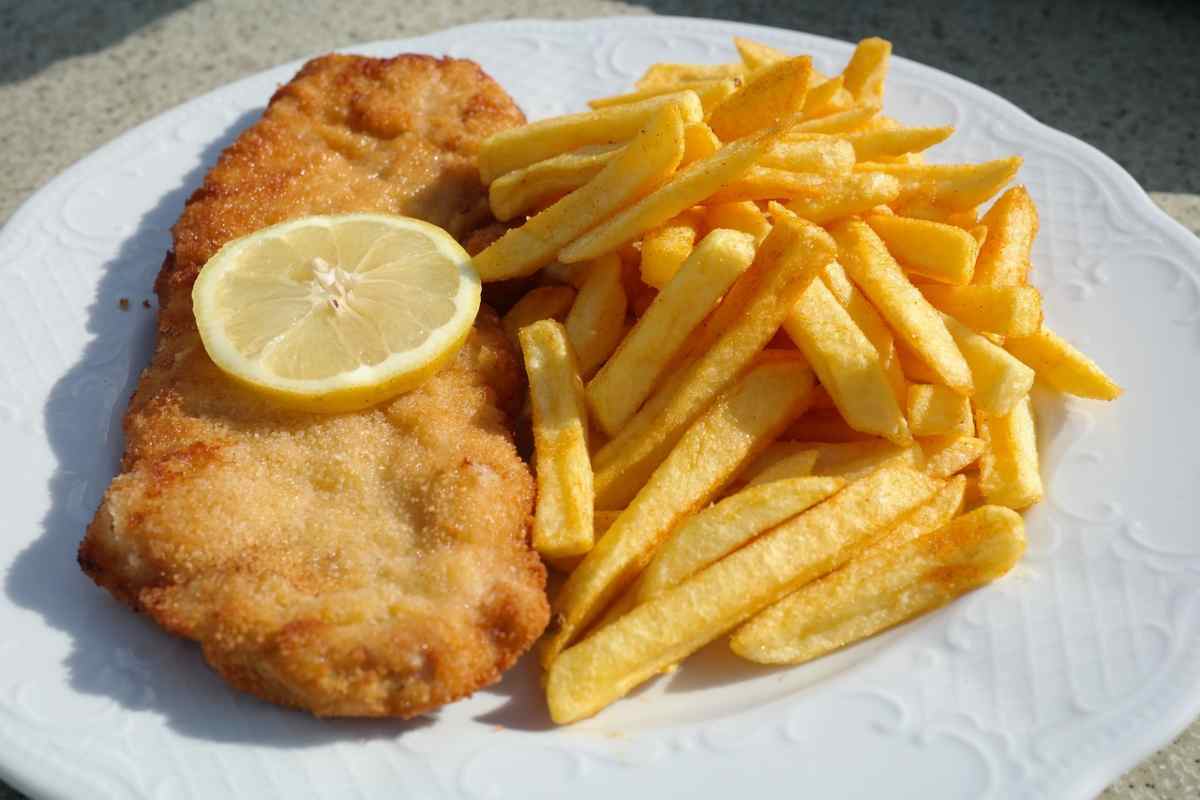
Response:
column 1048, row 684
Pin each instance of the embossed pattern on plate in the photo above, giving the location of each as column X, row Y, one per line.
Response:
column 1047, row 684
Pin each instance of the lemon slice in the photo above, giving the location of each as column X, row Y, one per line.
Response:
column 335, row 313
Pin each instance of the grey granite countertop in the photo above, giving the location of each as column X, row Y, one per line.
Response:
column 1123, row 76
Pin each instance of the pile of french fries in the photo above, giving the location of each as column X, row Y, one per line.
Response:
column 779, row 365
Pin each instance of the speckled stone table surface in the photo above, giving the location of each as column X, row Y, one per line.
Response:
column 1124, row 77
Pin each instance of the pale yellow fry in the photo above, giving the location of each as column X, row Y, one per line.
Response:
column 772, row 94
column 956, row 187
column 562, row 517
column 664, row 249
column 885, row 587
column 720, row 529
column 737, row 427
column 710, row 92
column 1008, row 470
column 855, row 460
column 699, row 142
column 825, row 425
column 767, row 183
column 865, row 73
column 935, row 410
column 742, row 216
column 533, row 187
column 1006, row 310
column 848, row 121
column 870, row 323
column 1000, row 380
column 1012, row 225
column 826, row 156
column 1062, row 366
column 544, row 302
column 844, row 196
column 932, row 250
column 519, row 147
column 661, row 632
column 681, row 192
column 946, row 455
column 601, row 522
column 659, row 75
column 596, row 321
column 739, row 328
column 756, row 55
column 847, row 364
column 827, row 97
column 571, row 274
column 780, row 461
column 894, row 142
column 626, row 380
column 868, row 263
column 640, row 166
column 921, row 209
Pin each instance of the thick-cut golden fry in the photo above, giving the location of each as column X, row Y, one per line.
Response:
column 847, row 364
column 1012, row 225
column 519, row 147
column 734, row 333
column 868, row 263
column 756, row 55
column 601, row 522
column 855, row 460
column 946, row 455
column 736, row 428
column 626, row 380
column 662, row 75
column 931, row 249
column 868, row 320
column 1006, row 310
column 596, row 321
column 935, row 410
column 914, row 367
column 894, row 142
column 544, row 302
column 1062, row 366
column 1000, row 380
column 699, row 142
column 848, row 121
column 922, row 209
column 710, row 92
column 1008, row 470
column 772, row 94
column 780, row 461
column 681, row 192
column 536, row 186
column 661, row 632
column 980, row 234
column 665, row 248
column 562, row 518
column 885, row 587
column 825, row 425
column 640, row 166
column 825, row 156
column 843, row 196
column 767, row 183
column 865, row 73
column 743, row 216
column 956, row 187
column 827, row 97
column 973, row 496
column 720, row 529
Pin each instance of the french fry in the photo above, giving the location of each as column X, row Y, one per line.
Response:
column 1006, row 310
column 955, row 187
column 710, row 92
column 773, row 93
column 930, row 249
column 767, row 183
column 973, row 496
column 519, row 147
column 737, row 427
column 855, row 460
column 780, row 461
column 569, row 274
column 601, row 522
column 1000, row 380
column 894, row 142
column 536, row 186
column 825, row 156
column 1062, row 366
column 626, row 380
column 868, row 263
column 596, row 322
column 681, row 192
column 847, row 364
column 935, row 410
column 664, row 249
column 914, row 367
column 884, row 588
column 544, row 302
column 662, row 75
column 826, row 425
column 756, row 55
column 1008, row 470
column 865, row 73
column 747, row 318
column 844, row 196
column 640, row 166
column 720, row 529
column 827, row 97
column 742, row 216
column 848, row 121
column 659, row 633
column 946, row 455
column 562, row 518
column 699, row 142
column 1012, row 225
column 868, row 320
